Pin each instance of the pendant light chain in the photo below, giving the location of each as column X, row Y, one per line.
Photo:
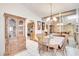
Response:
column 51, row 11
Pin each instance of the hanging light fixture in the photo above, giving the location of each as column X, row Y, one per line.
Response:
column 54, row 19
column 51, row 17
column 51, row 12
column 60, row 18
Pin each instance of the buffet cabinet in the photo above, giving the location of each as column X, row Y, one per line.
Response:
column 15, row 40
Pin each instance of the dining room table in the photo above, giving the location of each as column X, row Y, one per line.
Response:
column 54, row 41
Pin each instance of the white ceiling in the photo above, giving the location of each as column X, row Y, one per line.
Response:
column 43, row 9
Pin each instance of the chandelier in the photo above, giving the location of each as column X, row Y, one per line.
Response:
column 51, row 13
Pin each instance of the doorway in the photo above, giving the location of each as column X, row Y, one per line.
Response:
column 31, row 30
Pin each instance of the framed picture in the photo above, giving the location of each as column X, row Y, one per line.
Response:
column 43, row 25
column 46, row 26
column 39, row 25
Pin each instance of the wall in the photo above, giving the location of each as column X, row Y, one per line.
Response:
column 15, row 9
column 69, row 28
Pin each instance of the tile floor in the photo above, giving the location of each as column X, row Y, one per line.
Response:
column 32, row 49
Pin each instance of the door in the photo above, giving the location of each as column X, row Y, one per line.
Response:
column 14, row 34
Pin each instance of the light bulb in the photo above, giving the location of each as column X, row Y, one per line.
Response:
column 54, row 19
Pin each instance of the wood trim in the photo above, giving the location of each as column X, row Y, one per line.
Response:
column 34, row 40
column 70, row 12
column 7, row 14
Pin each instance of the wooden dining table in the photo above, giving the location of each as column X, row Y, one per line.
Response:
column 54, row 42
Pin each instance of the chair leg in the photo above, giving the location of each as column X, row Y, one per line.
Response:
column 55, row 52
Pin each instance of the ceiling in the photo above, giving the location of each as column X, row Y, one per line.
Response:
column 43, row 9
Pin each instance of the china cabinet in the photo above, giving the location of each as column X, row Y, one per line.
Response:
column 15, row 40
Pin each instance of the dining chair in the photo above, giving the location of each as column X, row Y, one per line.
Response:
column 55, row 49
column 41, row 46
column 62, row 49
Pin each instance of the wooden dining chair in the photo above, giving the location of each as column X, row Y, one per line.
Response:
column 41, row 44
column 61, row 49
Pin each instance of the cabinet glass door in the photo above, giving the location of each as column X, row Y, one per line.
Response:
column 21, row 27
column 12, row 28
